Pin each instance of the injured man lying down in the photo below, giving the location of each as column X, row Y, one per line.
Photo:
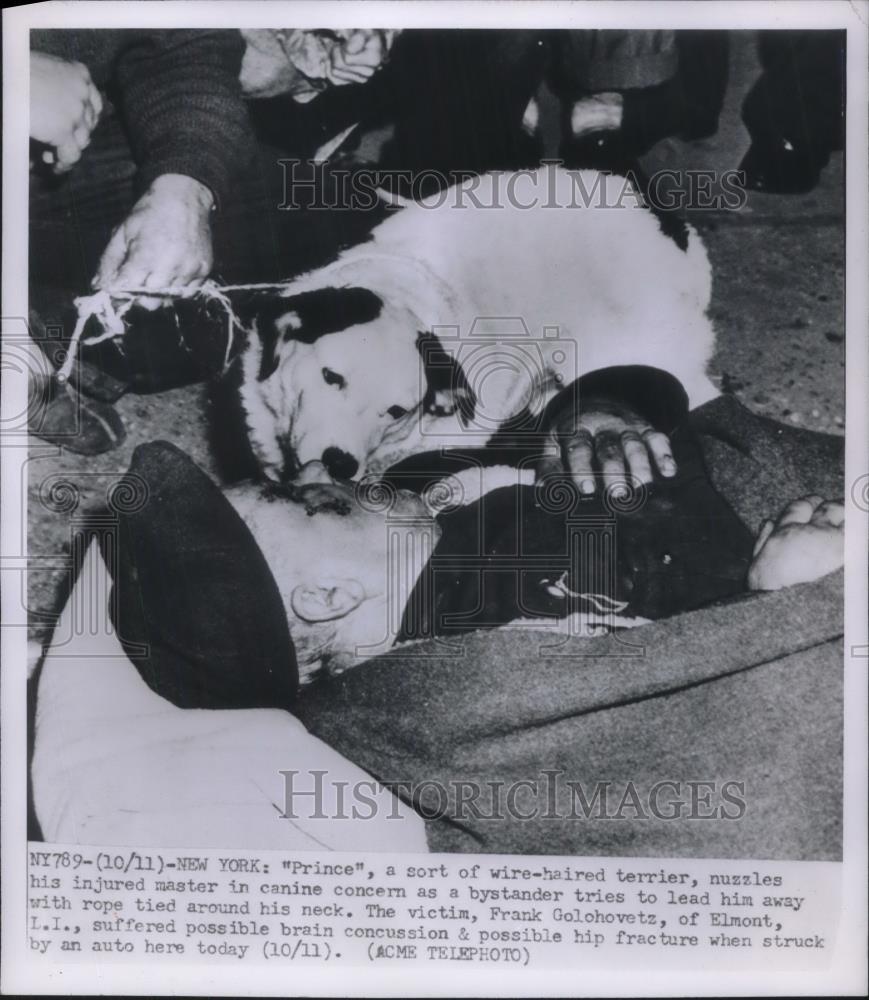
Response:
column 461, row 658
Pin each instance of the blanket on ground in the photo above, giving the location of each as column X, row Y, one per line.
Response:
column 715, row 733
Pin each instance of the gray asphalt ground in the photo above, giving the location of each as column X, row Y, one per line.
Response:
column 778, row 307
column 778, row 269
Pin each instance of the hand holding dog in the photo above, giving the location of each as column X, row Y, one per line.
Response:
column 609, row 440
column 805, row 543
column 165, row 241
column 357, row 57
column 65, row 107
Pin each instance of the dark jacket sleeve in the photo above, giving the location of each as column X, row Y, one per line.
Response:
column 182, row 105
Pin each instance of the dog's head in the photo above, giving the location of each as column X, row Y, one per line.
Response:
column 324, row 374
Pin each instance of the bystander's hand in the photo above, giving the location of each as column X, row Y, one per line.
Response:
column 356, row 58
column 165, row 241
column 65, row 107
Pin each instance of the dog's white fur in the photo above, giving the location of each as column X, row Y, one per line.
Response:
column 617, row 290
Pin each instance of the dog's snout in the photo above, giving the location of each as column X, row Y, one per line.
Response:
column 340, row 464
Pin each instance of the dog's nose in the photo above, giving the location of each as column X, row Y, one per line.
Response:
column 339, row 463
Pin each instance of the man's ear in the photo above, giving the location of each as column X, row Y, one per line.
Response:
column 326, row 600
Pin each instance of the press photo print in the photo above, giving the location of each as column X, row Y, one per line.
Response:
column 434, row 445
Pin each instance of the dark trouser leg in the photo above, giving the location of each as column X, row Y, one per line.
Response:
column 71, row 221
column 702, row 80
column 460, row 98
column 270, row 232
column 795, row 110
column 672, row 83
column 588, row 62
column 72, row 217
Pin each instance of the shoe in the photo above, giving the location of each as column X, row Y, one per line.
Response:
column 152, row 355
column 61, row 415
column 52, row 343
column 97, row 384
column 647, row 115
column 778, row 166
column 603, row 150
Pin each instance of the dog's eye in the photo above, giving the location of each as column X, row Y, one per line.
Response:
column 333, row 378
column 396, row 411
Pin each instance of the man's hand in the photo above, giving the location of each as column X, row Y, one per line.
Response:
column 165, row 241
column 609, row 439
column 65, row 107
column 806, row 543
column 356, row 58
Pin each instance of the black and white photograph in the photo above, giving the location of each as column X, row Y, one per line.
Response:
column 433, row 443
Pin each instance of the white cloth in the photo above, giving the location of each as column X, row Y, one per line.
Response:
column 116, row 764
column 295, row 62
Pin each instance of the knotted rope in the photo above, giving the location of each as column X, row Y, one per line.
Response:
column 110, row 315
column 109, row 307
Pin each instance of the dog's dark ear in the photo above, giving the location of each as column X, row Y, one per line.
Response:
column 445, row 377
column 257, row 314
column 304, row 317
column 311, row 315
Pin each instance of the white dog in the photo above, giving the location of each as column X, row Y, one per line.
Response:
column 522, row 299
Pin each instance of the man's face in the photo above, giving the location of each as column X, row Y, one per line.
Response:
column 343, row 564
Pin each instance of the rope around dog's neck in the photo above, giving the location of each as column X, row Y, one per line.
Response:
column 101, row 305
column 110, row 306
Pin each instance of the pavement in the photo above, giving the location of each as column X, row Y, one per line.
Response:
column 778, row 266
column 777, row 305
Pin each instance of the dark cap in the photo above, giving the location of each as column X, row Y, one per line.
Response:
column 192, row 585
